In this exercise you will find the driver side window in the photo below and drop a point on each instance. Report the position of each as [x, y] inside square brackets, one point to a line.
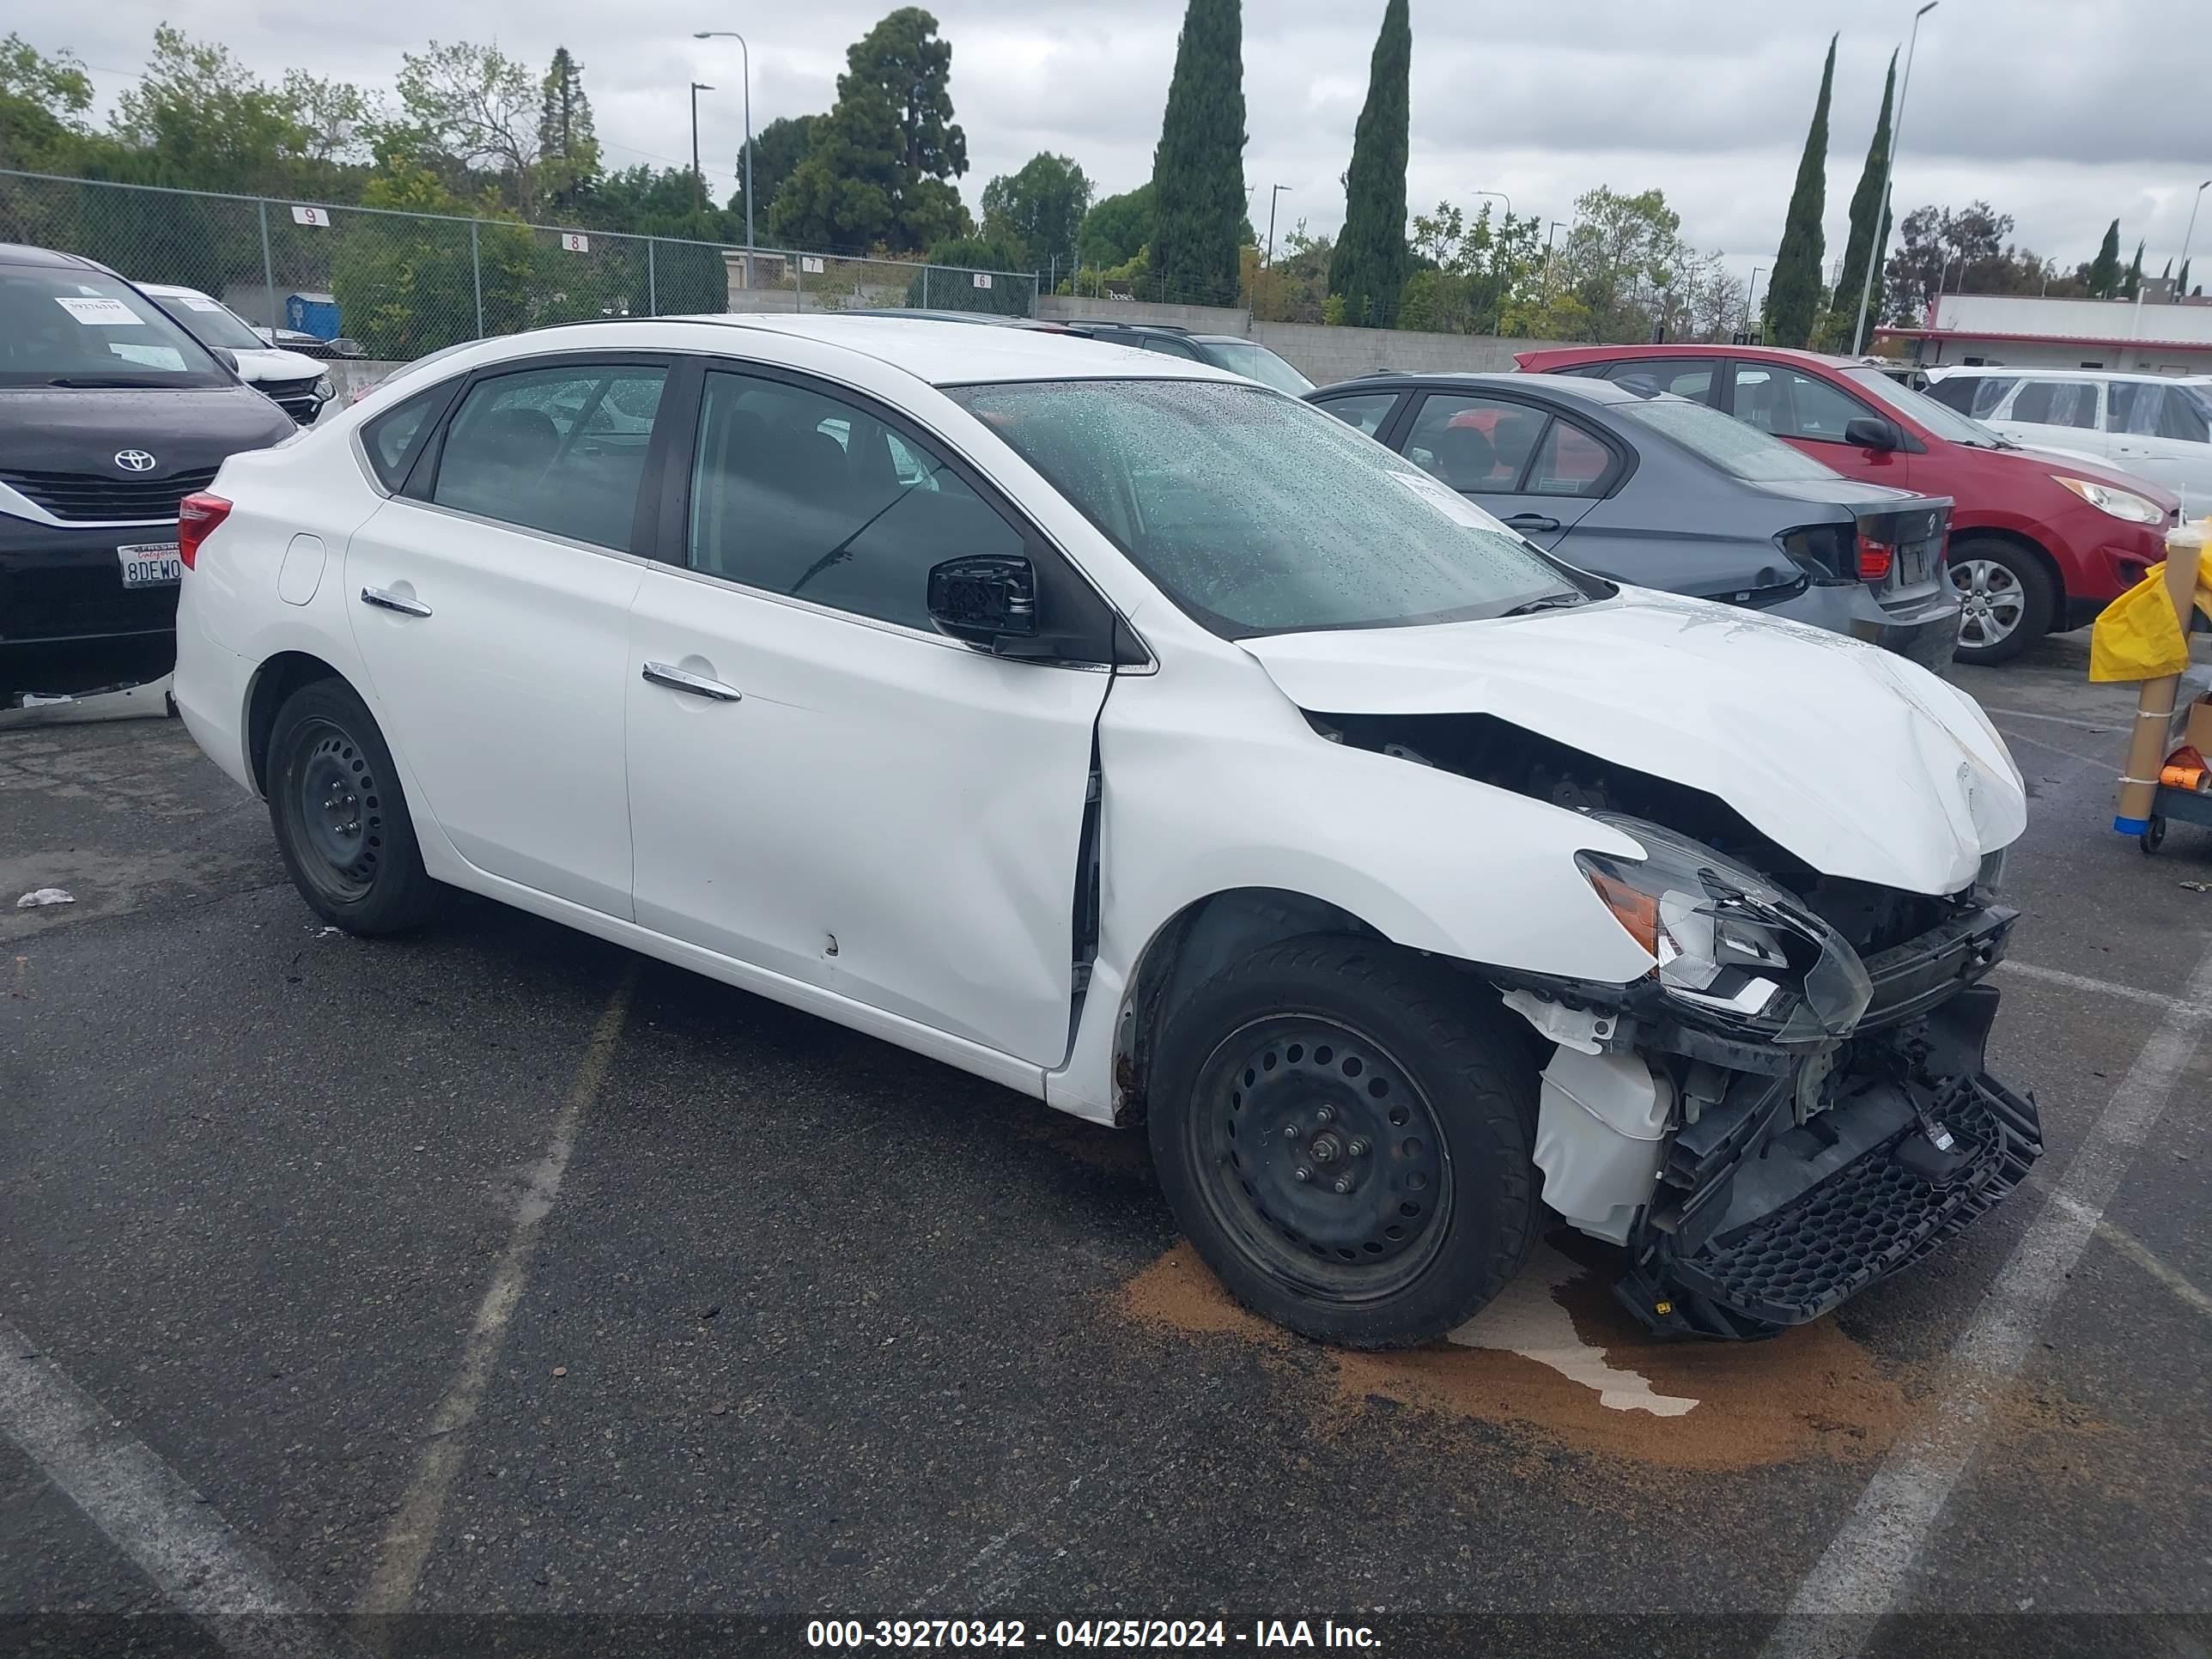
[797, 493]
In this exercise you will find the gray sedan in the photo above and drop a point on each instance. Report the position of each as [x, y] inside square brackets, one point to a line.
[1648, 487]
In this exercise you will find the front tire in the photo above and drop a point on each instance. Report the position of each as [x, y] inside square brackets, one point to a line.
[340, 818]
[1343, 1132]
[2009, 599]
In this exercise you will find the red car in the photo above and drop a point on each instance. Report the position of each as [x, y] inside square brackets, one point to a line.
[2041, 540]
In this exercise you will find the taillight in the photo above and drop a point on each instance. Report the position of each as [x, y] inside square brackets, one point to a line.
[197, 517]
[1875, 559]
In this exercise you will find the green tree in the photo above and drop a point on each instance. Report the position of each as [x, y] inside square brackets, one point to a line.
[2105, 270]
[199, 117]
[2133, 285]
[1793, 292]
[1866, 242]
[1116, 228]
[1612, 271]
[993, 257]
[475, 108]
[567, 149]
[1039, 210]
[1370, 262]
[778, 149]
[1198, 168]
[880, 167]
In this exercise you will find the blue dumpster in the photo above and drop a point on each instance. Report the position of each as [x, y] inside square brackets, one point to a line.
[312, 313]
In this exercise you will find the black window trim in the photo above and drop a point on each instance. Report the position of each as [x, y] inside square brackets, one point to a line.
[1618, 472]
[420, 486]
[451, 387]
[1119, 648]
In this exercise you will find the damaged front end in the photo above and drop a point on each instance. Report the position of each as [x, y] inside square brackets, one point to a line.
[1792, 1104]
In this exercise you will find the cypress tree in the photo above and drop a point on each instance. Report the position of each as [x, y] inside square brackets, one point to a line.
[1198, 170]
[1793, 293]
[2134, 284]
[2104, 269]
[1369, 265]
[1864, 242]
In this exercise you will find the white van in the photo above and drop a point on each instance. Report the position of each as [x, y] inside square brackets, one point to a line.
[2155, 426]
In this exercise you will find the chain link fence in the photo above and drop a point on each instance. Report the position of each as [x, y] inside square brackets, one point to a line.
[389, 285]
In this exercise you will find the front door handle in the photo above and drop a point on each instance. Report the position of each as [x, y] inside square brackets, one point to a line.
[698, 685]
[1536, 521]
[385, 601]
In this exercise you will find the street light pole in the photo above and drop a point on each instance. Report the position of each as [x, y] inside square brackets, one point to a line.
[2180, 292]
[1549, 234]
[1749, 294]
[1888, 168]
[698, 179]
[1274, 191]
[1502, 197]
[746, 53]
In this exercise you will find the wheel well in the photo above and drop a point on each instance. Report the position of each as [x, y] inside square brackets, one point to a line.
[1197, 942]
[274, 681]
[2026, 544]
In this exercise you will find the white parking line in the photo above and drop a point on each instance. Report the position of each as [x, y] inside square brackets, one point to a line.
[2143, 1256]
[406, 1542]
[144, 1508]
[2113, 727]
[1864, 1571]
[2103, 987]
[2105, 763]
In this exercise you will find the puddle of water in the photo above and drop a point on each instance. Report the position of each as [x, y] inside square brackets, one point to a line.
[1526, 1319]
[1545, 1358]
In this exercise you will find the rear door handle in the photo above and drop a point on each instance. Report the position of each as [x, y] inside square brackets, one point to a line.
[385, 601]
[698, 685]
[1532, 521]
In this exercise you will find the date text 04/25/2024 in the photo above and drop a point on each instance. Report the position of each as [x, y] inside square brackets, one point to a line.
[1122, 1633]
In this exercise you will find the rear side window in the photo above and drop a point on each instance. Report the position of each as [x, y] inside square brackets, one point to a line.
[1568, 462]
[1977, 395]
[2056, 403]
[560, 450]
[797, 493]
[1685, 377]
[394, 439]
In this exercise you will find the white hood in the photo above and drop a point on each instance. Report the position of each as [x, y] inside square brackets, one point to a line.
[1863, 764]
[271, 365]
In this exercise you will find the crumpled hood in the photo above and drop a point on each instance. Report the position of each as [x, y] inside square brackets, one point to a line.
[1863, 764]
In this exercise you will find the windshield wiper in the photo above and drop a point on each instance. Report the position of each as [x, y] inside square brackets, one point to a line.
[1549, 602]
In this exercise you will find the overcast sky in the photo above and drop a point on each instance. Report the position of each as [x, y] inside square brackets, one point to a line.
[2052, 110]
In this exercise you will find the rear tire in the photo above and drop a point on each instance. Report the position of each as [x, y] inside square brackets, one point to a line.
[340, 818]
[2010, 600]
[1409, 1110]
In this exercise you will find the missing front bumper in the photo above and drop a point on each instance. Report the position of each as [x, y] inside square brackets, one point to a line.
[1761, 1222]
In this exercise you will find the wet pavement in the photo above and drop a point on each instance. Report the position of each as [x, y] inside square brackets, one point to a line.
[810, 1328]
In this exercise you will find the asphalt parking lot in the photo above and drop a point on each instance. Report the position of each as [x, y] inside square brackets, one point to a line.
[501, 1278]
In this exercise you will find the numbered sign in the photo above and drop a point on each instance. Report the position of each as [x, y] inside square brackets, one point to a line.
[319, 218]
[575, 241]
[811, 263]
[982, 279]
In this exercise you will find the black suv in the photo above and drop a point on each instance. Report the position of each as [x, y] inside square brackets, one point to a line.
[110, 414]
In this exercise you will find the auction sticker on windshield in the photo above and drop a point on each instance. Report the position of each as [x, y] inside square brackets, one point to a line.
[97, 313]
[1446, 501]
[150, 564]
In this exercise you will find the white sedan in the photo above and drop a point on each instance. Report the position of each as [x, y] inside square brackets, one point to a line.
[1146, 741]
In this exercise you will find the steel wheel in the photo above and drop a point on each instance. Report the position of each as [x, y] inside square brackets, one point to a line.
[1995, 603]
[1321, 1158]
[339, 808]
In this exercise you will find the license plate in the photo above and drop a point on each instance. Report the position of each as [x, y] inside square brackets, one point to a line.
[150, 564]
[1912, 565]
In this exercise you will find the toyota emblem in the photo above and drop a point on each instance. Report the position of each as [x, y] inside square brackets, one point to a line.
[135, 460]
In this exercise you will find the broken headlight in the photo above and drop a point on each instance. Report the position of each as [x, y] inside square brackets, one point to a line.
[1733, 949]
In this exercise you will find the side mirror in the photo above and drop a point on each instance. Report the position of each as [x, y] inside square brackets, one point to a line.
[984, 598]
[226, 357]
[1870, 432]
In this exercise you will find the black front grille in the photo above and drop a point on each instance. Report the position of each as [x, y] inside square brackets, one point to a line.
[89, 497]
[296, 398]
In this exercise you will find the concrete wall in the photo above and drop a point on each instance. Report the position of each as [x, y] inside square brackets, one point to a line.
[1199, 320]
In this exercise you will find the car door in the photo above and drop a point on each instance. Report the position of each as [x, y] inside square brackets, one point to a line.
[822, 785]
[2046, 411]
[1516, 459]
[1812, 413]
[490, 600]
[2162, 432]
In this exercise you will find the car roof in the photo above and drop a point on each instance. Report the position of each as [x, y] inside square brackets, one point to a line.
[1607, 354]
[1580, 387]
[172, 290]
[1977, 370]
[23, 254]
[940, 353]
